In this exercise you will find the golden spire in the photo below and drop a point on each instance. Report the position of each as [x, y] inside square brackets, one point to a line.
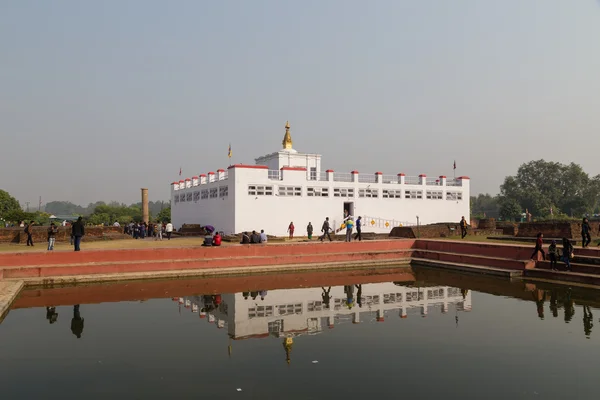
[287, 138]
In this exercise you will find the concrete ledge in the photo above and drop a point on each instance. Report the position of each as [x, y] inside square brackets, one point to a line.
[565, 276]
[475, 269]
[8, 293]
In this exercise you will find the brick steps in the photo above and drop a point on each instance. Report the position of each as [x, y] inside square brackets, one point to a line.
[156, 265]
[470, 268]
[592, 269]
[492, 262]
[577, 277]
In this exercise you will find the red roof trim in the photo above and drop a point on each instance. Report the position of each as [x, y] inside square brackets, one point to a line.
[401, 174]
[220, 170]
[194, 177]
[422, 176]
[187, 179]
[378, 173]
[443, 177]
[211, 173]
[329, 171]
[293, 169]
[248, 166]
[181, 181]
[202, 175]
[463, 177]
[175, 183]
[354, 172]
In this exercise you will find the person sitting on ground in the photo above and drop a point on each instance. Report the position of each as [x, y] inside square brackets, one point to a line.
[263, 236]
[217, 239]
[255, 238]
[208, 240]
[245, 238]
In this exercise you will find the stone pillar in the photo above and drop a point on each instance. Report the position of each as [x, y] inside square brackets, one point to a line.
[145, 213]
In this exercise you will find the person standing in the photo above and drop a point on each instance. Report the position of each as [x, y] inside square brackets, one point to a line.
[158, 231]
[539, 246]
[567, 252]
[29, 231]
[349, 227]
[77, 231]
[169, 230]
[309, 231]
[291, 230]
[76, 322]
[553, 253]
[358, 229]
[52, 231]
[586, 238]
[325, 229]
[463, 227]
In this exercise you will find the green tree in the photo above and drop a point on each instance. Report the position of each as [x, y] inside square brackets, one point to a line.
[540, 186]
[164, 215]
[510, 209]
[485, 204]
[8, 204]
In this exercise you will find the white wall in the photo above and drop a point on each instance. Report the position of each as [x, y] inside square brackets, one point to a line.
[290, 158]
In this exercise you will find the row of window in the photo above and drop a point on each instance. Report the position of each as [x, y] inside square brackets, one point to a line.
[296, 191]
[198, 195]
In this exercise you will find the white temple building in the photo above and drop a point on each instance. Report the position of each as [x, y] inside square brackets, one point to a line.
[294, 312]
[290, 186]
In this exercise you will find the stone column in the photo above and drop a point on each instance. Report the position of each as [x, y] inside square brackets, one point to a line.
[145, 213]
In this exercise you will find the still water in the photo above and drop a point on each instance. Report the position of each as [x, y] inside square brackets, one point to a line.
[389, 334]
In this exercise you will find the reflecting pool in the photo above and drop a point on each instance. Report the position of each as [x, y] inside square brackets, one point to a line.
[349, 334]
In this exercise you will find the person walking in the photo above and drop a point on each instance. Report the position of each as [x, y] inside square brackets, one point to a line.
[29, 232]
[77, 322]
[169, 230]
[463, 227]
[158, 231]
[358, 229]
[567, 252]
[291, 230]
[586, 238]
[309, 231]
[325, 229]
[539, 246]
[77, 231]
[52, 231]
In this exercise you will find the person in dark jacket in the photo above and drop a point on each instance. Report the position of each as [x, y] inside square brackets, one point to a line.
[567, 251]
[77, 322]
[78, 231]
[325, 229]
[358, 229]
[245, 238]
[29, 231]
[586, 238]
[254, 238]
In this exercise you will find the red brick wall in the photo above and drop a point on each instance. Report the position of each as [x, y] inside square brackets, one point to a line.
[550, 229]
[40, 234]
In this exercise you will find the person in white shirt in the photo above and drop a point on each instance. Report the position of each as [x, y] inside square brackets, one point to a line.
[169, 230]
[117, 224]
[263, 236]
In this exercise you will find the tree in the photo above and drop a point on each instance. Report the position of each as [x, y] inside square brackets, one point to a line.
[8, 204]
[541, 186]
[484, 204]
[510, 209]
[164, 215]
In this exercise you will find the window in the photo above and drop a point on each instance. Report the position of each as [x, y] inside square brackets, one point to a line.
[275, 327]
[223, 191]
[290, 191]
[413, 194]
[391, 298]
[176, 198]
[317, 191]
[214, 192]
[189, 196]
[372, 193]
[435, 294]
[288, 309]
[260, 311]
[435, 195]
[453, 195]
[343, 192]
[313, 173]
[196, 196]
[392, 194]
[182, 197]
[315, 305]
[258, 190]
[204, 194]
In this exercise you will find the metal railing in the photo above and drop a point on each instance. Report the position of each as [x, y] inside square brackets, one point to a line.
[322, 176]
[384, 223]
[432, 181]
[453, 182]
[367, 178]
[412, 180]
[342, 177]
[391, 179]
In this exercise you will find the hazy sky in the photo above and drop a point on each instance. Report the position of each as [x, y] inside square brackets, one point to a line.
[98, 99]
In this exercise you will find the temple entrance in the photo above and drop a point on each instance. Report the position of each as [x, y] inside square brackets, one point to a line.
[349, 208]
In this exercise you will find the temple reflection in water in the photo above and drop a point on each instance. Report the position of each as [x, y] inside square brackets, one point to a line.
[292, 312]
